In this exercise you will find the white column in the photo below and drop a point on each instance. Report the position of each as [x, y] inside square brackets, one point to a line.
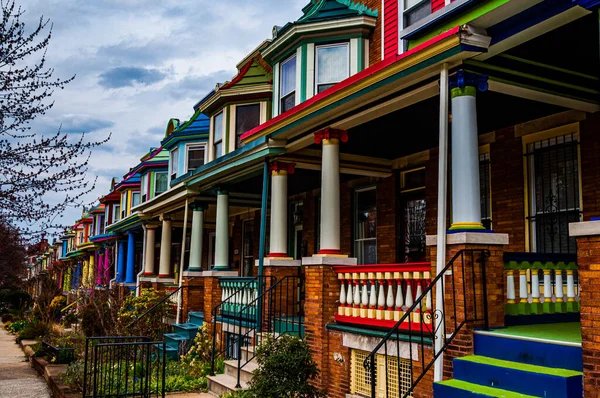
[150, 243]
[279, 209]
[222, 232]
[330, 189]
[165, 249]
[196, 237]
[466, 210]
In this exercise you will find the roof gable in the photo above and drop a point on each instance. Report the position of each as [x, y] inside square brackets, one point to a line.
[325, 10]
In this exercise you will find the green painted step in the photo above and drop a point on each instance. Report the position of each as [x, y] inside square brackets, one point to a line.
[520, 366]
[484, 391]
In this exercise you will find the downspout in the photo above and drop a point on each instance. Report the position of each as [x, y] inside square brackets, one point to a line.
[263, 231]
[181, 261]
[138, 289]
[438, 369]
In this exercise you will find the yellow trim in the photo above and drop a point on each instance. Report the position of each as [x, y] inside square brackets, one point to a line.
[406, 63]
[529, 138]
[467, 224]
[331, 141]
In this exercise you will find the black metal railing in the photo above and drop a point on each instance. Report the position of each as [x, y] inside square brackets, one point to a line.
[464, 297]
[279, 310]
[123, 366]
[229, 314]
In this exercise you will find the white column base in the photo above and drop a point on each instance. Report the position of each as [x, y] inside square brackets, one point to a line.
[279, 262]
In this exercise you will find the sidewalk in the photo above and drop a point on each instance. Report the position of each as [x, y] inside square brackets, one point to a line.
[17, 377]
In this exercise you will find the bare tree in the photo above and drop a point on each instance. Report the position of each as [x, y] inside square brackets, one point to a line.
[34, 166]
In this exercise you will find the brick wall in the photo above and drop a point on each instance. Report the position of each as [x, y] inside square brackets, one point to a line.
[193, 296]
[386, 220]
[375, 39]
[508, 188]
[424, 388]
[588, 260]
[308, 223]
[212, 296]
[339, 372]
[590, 165]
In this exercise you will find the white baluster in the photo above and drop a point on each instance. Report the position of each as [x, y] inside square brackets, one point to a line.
[380, 298]
[389, 310]
[570, 286]
[523, 293]
[342, 297]
[349, 297]
[399, 300]
[535, 286]
[417, 313]
[547, 286]
[372, 297]
[364, 304]
[558, 286]
[409, 296]
[356, 299]
[510, 287]
[428, 307]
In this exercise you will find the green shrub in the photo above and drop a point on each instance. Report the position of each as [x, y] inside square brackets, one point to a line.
[73, 376]
[33, 331]
[16, 326]
[134, 320]
[179, 378]
[285, 369]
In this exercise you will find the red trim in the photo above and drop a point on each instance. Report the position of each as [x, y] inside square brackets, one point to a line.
[279, 166]
[390, 29]
[163, 275]
[351, 80]
[148, 273]
[402, 267]
[381, 323]
[278, 255]
[239, 76]
[329, 251]
[328, 134]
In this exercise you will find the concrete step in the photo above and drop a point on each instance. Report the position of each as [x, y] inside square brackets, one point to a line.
[248, 369]
[221, 384]
[247, 353]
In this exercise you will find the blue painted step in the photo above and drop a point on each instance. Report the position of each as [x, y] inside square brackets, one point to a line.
[562, 356]
[518, 377]
[197, 318]
[188, 330]
[171, 351]
[175, 339]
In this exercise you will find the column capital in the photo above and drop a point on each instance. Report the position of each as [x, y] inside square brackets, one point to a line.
[151, 226]
[330, 135]
[198, 206]
[164, 218]
[467, 83]
[281, 168]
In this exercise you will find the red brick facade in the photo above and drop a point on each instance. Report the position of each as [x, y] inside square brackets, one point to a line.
[590, 165]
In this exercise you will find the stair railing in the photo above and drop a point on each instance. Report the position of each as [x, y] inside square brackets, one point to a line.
[462, 294]
[236, 294]
[282, 313]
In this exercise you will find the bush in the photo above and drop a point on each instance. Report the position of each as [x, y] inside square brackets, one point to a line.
[285, 369]
[73, 376]
[132, 320]
[16, 326]
[33, 331]
[179, 378]
[198, 357]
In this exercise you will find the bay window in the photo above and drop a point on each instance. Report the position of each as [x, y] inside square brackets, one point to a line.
[135, 199]
[218, 135]
[174, 163]
[144, 187]
[332, 65]
[247, 117]
[195, 157]
[288, 84]
[160, 183]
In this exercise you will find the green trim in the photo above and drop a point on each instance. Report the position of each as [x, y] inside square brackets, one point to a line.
[523, 367]
[151, 176]
[551, 67]
[360, 51]
[530, 76]
[462, 19]
[484, 391]
[227, 121]
[373, 333]
[316, 40]
[526, 265]
[467, 91]
[303, 71]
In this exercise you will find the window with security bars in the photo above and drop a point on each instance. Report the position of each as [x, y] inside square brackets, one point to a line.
[554, 186]
[485, 190]
[393, 380]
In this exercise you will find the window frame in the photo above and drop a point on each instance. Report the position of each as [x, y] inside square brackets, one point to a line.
[222, 139]
[282, 96]
[194, 146]
[144, 189]
[173, 166]
[329, 45]
[260, 118]
[355, 239]
[132, 201]
[166, 173]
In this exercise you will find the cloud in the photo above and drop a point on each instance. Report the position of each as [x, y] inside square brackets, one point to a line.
[127, 76]
[74, 123]
[197, 86]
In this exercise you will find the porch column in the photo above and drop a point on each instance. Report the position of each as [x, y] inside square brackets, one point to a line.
[164, 270]
[222, 232]
[122, 250]
[330, 189]
[196, 237]
[150, 244]
[89, 282]
[279, 208]
[466, 210]
[130, 273]
[100, 268]
[107, 253]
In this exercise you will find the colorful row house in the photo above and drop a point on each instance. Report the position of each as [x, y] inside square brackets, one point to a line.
[411, 185]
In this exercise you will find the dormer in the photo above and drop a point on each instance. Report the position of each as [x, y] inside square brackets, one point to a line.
[112, 205]
[186, 147]
[129, 191]
[328, 44]
[153, 170]
[237, 106]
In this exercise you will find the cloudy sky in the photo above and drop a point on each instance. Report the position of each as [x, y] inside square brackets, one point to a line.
[139, 63]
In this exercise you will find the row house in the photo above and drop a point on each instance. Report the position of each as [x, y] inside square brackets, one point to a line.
[410, 185]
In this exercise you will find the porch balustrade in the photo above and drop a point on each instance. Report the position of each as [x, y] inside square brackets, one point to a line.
[379, 295]
[237, 293]
[547, 284]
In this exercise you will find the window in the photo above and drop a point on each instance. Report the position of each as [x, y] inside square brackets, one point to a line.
[393, 375]
[218, 135]
[246, 118]
[117, 212]
[101, 223]
[415, 10]
[553, 182]
[124, 204]
[195, 157]
[174, 163]
[144, 187]
[413, 210]
[288, 84]
[485, 190]
[135, 199]
[160, 183]
[333, 65]
[365, 219]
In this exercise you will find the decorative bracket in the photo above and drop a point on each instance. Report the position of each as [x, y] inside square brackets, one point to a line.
[329, 133]
[277, 166]
[462, 79]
